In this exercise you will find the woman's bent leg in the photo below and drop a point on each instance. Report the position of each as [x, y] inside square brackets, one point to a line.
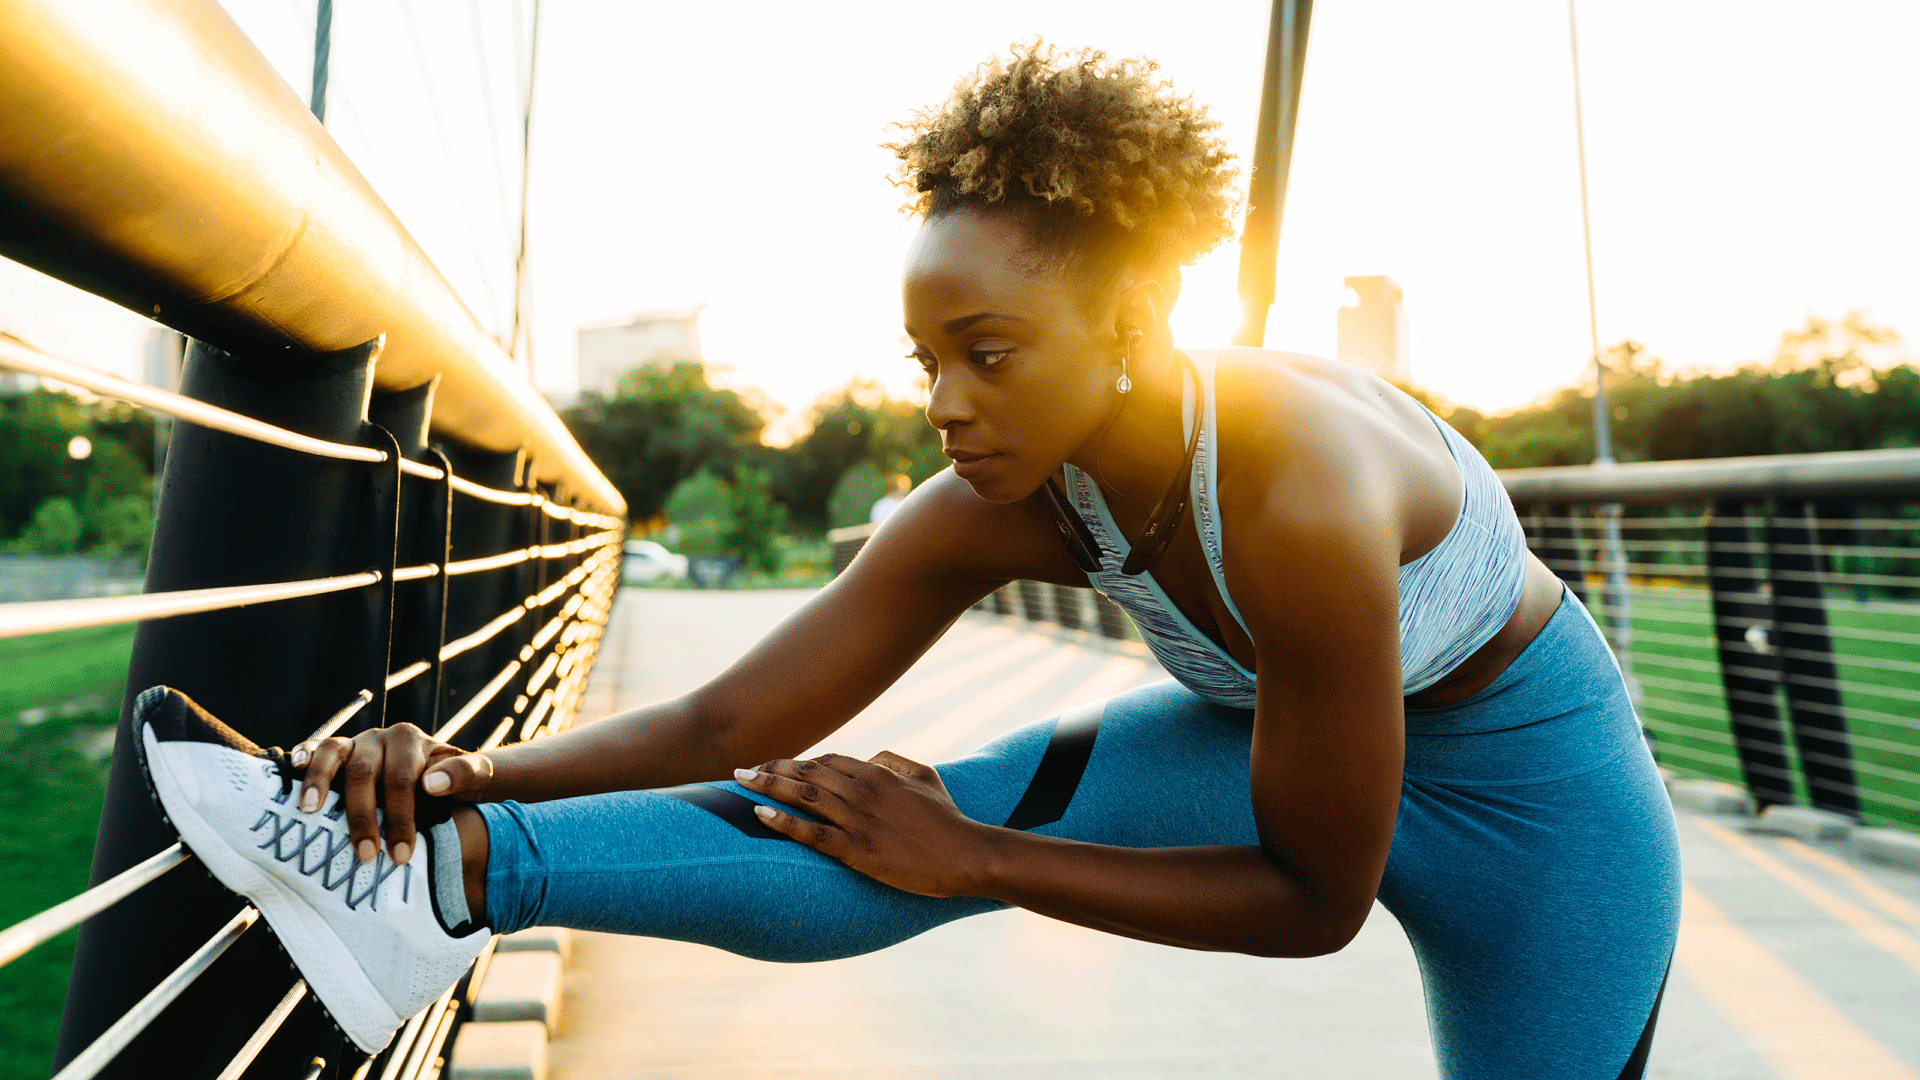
[1536, 869]
[1167, 769]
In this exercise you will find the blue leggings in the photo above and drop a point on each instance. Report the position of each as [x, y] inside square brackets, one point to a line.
[1534, 867]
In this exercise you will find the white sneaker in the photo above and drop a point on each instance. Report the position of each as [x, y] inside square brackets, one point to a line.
[367, 936]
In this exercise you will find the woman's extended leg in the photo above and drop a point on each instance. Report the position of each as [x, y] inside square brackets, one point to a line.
[657, 864]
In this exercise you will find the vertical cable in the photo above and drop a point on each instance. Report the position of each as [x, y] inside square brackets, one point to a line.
[322, 52]
[1618, 604]
[526, 171]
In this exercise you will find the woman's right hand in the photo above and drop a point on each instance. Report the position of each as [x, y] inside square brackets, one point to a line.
[382, 768]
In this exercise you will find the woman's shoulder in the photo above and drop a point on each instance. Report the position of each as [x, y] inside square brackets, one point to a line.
[1317, 432]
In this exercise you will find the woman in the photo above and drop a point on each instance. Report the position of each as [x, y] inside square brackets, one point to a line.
[1377, 691]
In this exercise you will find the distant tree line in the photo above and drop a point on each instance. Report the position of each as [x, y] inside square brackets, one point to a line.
[1830, 385]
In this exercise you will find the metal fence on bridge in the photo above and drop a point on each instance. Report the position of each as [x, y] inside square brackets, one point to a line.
[1767, 610]
[366, 515]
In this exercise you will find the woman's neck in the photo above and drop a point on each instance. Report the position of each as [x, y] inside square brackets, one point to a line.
[1141, 449]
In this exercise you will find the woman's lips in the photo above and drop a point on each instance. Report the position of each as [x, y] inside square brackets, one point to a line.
[969, 466]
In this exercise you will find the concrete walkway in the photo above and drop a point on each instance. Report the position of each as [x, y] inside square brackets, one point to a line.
[1795, 963]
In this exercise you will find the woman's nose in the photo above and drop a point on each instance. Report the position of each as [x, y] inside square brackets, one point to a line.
[947, 402]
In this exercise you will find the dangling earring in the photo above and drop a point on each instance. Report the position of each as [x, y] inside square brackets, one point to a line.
[1124, 384]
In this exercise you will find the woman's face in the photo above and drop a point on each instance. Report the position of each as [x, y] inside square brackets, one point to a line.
[1021, 373]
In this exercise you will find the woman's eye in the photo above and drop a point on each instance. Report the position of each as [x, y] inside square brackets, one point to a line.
[987, 358]
[926, 362]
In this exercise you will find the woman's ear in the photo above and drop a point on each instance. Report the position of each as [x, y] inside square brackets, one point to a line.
[1141, 306]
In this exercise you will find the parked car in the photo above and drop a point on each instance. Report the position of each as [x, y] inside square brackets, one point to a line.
[646, 560]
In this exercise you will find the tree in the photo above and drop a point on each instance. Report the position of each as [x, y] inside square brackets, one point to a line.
[855, 494]
[857, 424]
[665, 424]
[35, 465]
[757, 520]
[54, 530]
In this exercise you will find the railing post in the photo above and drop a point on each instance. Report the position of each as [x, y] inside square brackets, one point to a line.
[419, 615]
[481, 528]
[233, 511]
[1746, 673]
[1066, 606]
[1033, 601]
[1560, 548]
[1805, 650]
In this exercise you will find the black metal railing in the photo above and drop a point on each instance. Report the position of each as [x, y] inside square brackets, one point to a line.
[366, 514]
[1035, 601]
[559, 617]
[1771, 618]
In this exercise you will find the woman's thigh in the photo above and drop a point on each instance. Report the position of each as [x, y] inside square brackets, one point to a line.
[1535, 868]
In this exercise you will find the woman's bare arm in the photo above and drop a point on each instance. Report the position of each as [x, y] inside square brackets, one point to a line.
[939, 553]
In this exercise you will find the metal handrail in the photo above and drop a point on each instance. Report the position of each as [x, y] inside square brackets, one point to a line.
[1836, 474]
[242, 224]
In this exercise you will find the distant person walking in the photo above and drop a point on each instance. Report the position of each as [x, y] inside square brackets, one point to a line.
[1377, 691]
[898, 487]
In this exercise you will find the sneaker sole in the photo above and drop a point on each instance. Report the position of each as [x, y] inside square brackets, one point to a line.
[343, 990]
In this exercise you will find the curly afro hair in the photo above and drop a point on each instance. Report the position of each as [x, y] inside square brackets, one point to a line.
[1105, 162]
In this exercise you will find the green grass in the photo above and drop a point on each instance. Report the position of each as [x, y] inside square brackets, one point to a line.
[52, 778]
[60, 667]
[1685, 705]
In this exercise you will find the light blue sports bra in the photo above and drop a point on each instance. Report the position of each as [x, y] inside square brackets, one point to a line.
[1453, 599]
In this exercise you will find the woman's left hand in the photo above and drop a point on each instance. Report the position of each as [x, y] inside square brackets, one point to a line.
[889, 818]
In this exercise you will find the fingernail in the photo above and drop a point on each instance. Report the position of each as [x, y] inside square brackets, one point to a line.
[436, 782]
[301, 757]
[366, 850]
[745, 776]
[401, 853]
[309, 800]
[766, 812]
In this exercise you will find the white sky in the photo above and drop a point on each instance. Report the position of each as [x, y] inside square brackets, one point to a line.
[1750, 163]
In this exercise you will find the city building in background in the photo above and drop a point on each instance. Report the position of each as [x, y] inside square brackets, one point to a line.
[1373, 328]
[609, 350]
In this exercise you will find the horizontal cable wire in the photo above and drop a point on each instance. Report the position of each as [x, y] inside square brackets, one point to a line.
[88, 1063]
[486, 633]
[407, 674]
[21, 358]
[264, 1032]
[514, 614]
[360, 701]
[416, 573]
[41, 616]
[477, 702]
[489, 562]
[56, 920]
[492, 495]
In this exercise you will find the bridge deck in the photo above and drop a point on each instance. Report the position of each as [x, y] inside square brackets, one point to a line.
[1796, 962]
